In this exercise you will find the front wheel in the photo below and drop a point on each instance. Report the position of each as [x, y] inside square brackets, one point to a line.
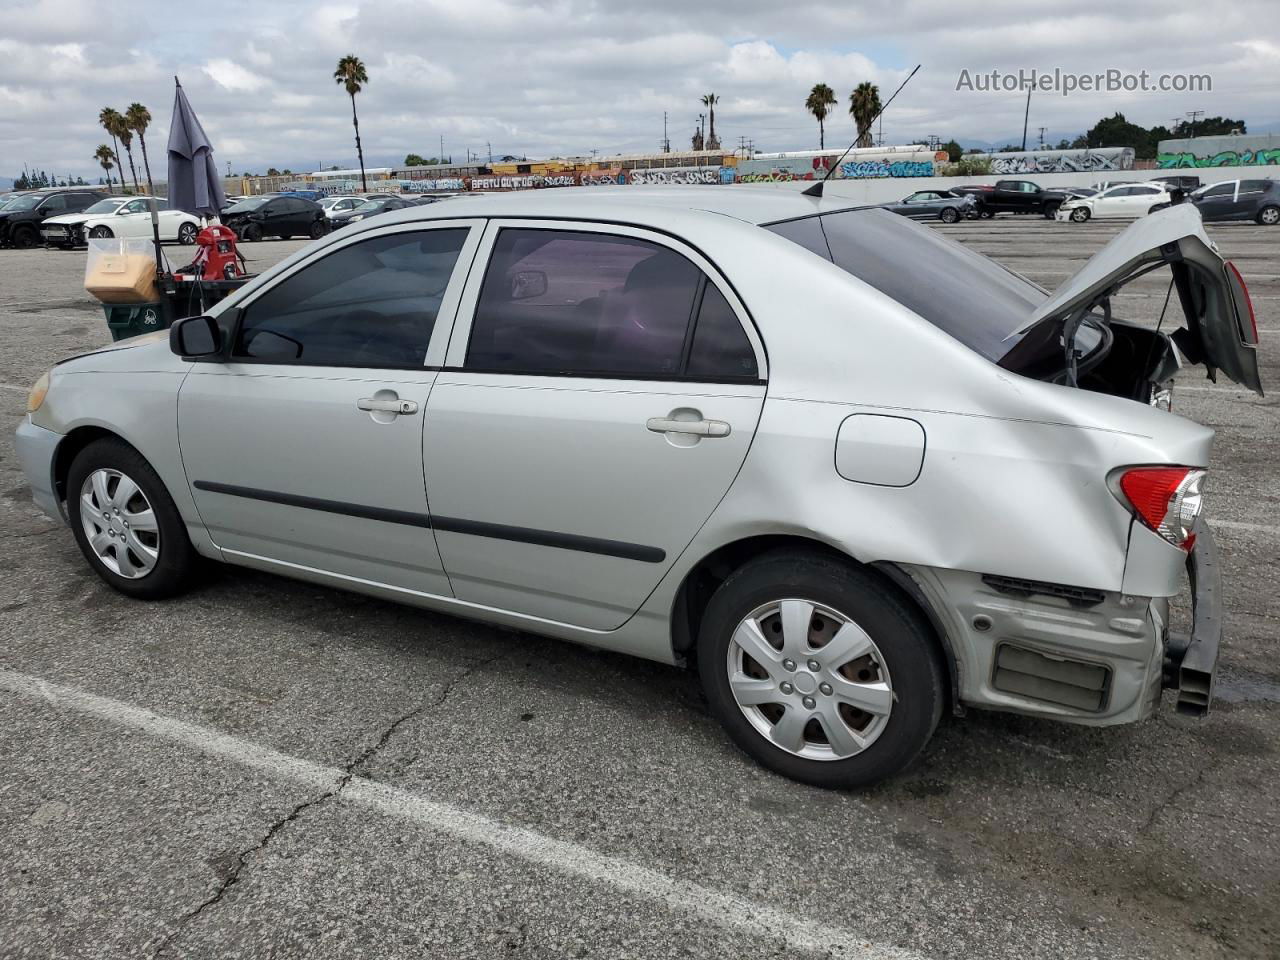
[819, 671]
[1080, 214]
[987, 214]
[101, 233]
[125, 522]
[253, 233]
[187, 234]
[1269, 216]
[949, 215]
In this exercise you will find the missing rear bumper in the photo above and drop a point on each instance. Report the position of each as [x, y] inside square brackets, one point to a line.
[1191, 662]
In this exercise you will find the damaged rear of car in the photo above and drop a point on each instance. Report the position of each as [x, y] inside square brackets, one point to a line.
[1084, 635]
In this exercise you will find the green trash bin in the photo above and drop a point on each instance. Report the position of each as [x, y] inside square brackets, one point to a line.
[126, 320]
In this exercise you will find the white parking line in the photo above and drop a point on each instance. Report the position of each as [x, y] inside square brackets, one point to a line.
[457, 823]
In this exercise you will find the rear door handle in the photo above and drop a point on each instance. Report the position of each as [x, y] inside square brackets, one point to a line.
[386, 406]
[698, 428]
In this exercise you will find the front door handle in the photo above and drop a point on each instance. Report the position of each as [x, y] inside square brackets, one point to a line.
[697, 428]
[386, 406]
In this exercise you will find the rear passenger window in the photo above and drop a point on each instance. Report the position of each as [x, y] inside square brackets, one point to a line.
[720, 345]
[558, 301]
[371, 304]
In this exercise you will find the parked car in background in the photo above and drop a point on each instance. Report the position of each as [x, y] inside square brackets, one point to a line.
[935, 205]
[276, 216]
[1186, 182]
[315, 195]
[1015, 196]
[333, 206]
[133, 219]
[67, 230]
[370, 208]
[21, 218]
[231, 201]
[1122, 200]
[858, 472]
[1256, 200]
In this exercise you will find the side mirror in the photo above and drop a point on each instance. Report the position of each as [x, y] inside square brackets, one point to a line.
[195, 337]
[527, 284]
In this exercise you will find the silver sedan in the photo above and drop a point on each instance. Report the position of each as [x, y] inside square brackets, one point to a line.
[855, 472]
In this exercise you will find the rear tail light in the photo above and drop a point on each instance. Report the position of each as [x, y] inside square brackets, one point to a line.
[1166, 499]
[1250, 335]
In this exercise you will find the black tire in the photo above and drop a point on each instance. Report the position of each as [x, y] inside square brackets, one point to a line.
[25, 237]
[187, 234]
[1080, 215]
[1051, 210]
[902, 638]
[949, 215]
[101, 233]
[986, 214]
[318, 230]
[253, 233]
[1269, 216]
[176, 563]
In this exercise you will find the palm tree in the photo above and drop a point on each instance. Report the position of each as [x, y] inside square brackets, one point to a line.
[351, 74]
[138, 118]
[864, 104]
[126, 137]
[103, 156]
[109, 118]
[709, 101]
[820, 101]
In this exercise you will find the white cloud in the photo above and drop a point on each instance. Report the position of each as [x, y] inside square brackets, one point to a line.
[566, 76]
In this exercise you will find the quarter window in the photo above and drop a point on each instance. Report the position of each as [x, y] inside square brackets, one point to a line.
[371, 304]
[557, 301]
[720, 345]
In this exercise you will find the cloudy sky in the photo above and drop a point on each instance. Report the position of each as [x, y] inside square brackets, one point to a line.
[570, 76]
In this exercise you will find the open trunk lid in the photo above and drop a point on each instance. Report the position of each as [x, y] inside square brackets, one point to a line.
[1221, 331]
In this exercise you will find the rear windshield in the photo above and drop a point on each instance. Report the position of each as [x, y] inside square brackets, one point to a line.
[961, 292]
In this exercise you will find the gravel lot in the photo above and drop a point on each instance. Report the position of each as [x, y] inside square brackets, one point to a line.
[267, 768]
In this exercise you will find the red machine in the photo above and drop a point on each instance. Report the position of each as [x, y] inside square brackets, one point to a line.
[217, 258]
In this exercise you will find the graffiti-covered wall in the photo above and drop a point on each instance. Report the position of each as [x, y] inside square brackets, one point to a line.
[1243, 151]
[1061, 161]
[859, 165]
[668, 175]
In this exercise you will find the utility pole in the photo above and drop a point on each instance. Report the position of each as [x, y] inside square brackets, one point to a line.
[1042, 130]
[666, 142]
[489, 146]
[1026, 116]
[702, 127]
[1194, 115]
[440, 155]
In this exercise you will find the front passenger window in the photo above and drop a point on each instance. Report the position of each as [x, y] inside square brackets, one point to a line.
[370, 304]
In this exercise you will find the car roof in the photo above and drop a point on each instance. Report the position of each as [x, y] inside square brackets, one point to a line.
[636, 204]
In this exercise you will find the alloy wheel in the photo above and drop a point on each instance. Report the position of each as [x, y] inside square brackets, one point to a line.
[1270, 216]
[809, 679]
[119, 524]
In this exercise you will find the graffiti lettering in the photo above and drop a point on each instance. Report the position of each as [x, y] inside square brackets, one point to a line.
[867, 169]
[1225, 158]
[773, 176]
[671, 175]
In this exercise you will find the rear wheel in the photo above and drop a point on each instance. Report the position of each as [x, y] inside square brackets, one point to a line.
[101, 233]
[125, 522]
[818, 671]
[1269, 216]
[949, 215]
[187, 234]
[1080, 214]
[1051, 210]
[317, 230]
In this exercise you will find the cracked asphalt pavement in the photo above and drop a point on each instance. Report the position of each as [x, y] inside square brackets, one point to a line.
[266, 768]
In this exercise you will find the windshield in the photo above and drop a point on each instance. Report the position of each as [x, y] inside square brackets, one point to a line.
[243, 206]
[24, 203]
[369, 206]
[963, 293]
[105, 206]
